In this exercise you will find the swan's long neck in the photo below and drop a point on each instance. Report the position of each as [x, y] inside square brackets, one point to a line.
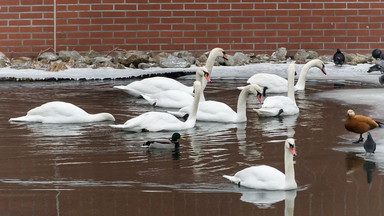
[242, 105]
[210, 61]
[289, 169]
[200, 78]
[291, 87]
[300, 85]
[192, 115]
[209, 65]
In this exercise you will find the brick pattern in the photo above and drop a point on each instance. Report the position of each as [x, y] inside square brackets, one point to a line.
[258, 26]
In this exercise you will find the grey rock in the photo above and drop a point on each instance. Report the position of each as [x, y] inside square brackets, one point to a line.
[301, 56]
[354, 59]
[88, 60]
[186, 55]
[280, 54]
[313, 54]
[119, 66]
[3, 63]
[240, 59]
[48, 56]
[67, 55]
[261, 58]
[144, 66]
[134, 59]
[326, 58]
[21, 63]
[173, 62]
[92, 54]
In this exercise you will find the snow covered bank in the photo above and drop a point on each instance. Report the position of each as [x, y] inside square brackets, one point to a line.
[345, 73]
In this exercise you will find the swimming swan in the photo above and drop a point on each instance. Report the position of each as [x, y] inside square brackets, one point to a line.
[277, 84]
[157, 84]
[177, 98]
[264, 177]
[61, 112]
[281, 105]
[161, 121]
[215, 111]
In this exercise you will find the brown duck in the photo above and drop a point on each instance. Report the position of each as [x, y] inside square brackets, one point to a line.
[360, 124]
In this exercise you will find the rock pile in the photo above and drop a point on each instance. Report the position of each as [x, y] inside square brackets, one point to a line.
[120, 59]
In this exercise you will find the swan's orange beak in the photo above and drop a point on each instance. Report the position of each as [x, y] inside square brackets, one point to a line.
[323, 69]
[206, 75]
[259, 97]
[224, 56]
[292, 149]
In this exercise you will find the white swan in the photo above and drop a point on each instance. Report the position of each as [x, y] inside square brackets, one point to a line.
[157, 84]
[215, 111]
[277, 84]
[61, 112]
[177, 98]
[281, 105]
[264, 177]
[160, 121]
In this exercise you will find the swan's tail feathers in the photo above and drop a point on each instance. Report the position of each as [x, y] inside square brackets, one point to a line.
[232, 179]
[379, 123]
[267, 112]
[150, 100]
[241, 88]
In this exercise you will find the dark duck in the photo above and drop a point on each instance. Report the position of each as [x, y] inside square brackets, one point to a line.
[338, 58]
[172, 143]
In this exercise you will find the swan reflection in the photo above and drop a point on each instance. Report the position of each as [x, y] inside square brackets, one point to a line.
[265, 199]
[277, 126]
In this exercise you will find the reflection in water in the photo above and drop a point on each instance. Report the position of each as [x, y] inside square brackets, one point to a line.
[369, 168]
[278, 126]
[265, 199]
[355, 163]
[53, 130]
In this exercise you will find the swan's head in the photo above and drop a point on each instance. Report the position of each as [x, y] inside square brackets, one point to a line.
[350, 113]
[177, 136]
[290, 144]
[256, 90]
[319, 64]
[219, 52]
[203, 72]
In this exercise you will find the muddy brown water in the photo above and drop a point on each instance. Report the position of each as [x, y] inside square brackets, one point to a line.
[92, 169]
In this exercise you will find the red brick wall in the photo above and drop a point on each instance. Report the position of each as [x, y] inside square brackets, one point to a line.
[259, 26]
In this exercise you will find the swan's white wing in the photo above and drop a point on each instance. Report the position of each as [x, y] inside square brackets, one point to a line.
[169, 98]
[154, 85]
[275, 83]
[57, 112]
[152, 121]
[212, 111]
[261, 177]
[272, 106]
[216, 112]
